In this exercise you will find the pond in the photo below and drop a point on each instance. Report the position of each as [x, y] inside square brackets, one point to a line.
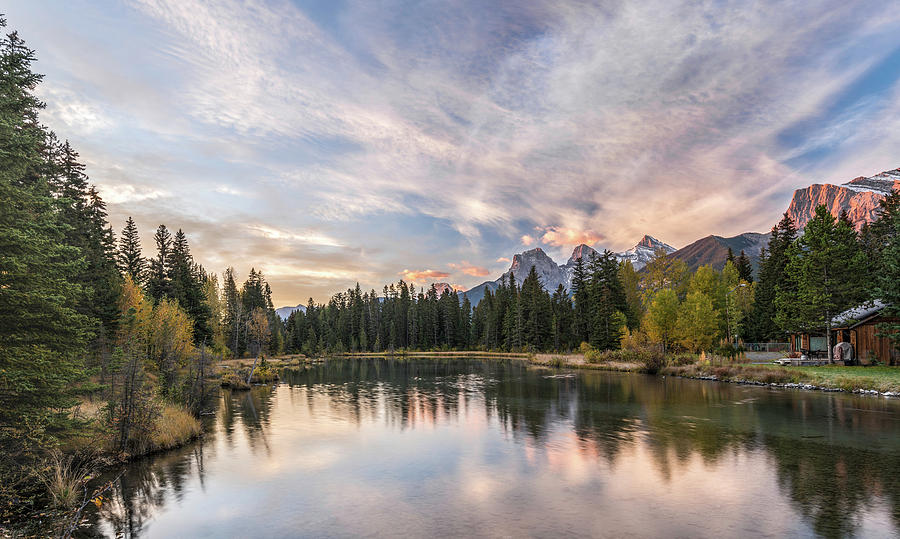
[471, 448]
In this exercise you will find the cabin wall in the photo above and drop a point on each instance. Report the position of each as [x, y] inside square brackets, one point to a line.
[869, 345]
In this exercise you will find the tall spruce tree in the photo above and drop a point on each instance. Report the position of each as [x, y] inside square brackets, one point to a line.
[581, 298]
[825, 272]
[131, 262]
[185, 282]
[608, 302]
[887, 281]
[536, 313]
[42, 335]
[744, 267]
[159, 284]
[761, 325]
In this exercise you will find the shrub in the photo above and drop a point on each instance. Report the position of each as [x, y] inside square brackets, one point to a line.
[234, 381]
[683, 358]
[591, 354]
[557, 361]
[729, 350]
[264, 373]
[174, 427]
[652, 360]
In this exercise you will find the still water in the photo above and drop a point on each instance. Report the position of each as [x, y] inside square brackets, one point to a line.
[468, 448]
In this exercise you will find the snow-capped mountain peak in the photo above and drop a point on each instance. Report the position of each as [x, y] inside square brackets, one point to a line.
[644, 251]
[552, 274]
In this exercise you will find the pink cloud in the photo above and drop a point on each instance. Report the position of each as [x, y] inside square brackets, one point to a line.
[503, 259]
[527, 240]
[422, 276]
[470, 269]
[559, 236]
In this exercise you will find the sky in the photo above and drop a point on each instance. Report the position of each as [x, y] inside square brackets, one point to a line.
[330, 142]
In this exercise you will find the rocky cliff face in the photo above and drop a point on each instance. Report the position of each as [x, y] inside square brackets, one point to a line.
[859, 197]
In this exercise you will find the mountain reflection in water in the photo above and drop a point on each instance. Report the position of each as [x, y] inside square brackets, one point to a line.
[461, 447]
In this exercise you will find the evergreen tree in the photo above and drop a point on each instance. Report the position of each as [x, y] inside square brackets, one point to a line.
[42, 335]
[465, 323]
[631, 282]
[825, 269]
[607, 298]
[158, 283]
[563, 320]
[131, 262]
[233, 313]
[744, 267]
[580, 297]
[887, 282]
[772, 276]
[536, 314]
[185, 282]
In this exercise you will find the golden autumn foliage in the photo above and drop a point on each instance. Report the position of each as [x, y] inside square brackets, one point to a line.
[136, 315]
[171, 335]
[164, 331]
[258, 327]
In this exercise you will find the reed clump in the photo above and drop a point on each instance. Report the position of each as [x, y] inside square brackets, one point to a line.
[174, 428]
[64, 476]
[234, 380]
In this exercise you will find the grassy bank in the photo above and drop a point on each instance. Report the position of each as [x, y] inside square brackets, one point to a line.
[174, 428]
[884, 380]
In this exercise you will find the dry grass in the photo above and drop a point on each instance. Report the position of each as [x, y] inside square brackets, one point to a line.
[64, 476]
[234, 380]
[174, 427]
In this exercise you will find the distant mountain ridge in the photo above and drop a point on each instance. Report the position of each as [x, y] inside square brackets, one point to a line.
[713, 250]
[552, 274]
[859, 197]
[285, 312]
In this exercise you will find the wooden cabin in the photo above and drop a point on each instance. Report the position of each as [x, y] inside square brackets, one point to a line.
[859, 327]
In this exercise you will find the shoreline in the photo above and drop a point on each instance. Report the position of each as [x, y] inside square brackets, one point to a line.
[880, 381]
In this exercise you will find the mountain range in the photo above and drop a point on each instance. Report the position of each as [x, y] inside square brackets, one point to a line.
[859, 197]
[552, 274]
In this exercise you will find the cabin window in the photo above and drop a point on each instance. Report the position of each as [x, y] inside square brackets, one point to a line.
[817, 344]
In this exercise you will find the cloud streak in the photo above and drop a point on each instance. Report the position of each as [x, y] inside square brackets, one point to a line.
[470, 269]
[387, 135]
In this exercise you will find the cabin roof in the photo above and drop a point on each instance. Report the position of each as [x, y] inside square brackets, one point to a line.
[852, 318]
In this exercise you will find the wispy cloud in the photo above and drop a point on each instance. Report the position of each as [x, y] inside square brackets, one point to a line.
[126, 194]
[444, 136]
[470, 269]
[310, 237]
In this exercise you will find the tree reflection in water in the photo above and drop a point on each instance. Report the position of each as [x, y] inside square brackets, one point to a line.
[835, 456]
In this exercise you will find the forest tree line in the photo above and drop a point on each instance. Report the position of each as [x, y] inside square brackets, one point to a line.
[802, 282]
